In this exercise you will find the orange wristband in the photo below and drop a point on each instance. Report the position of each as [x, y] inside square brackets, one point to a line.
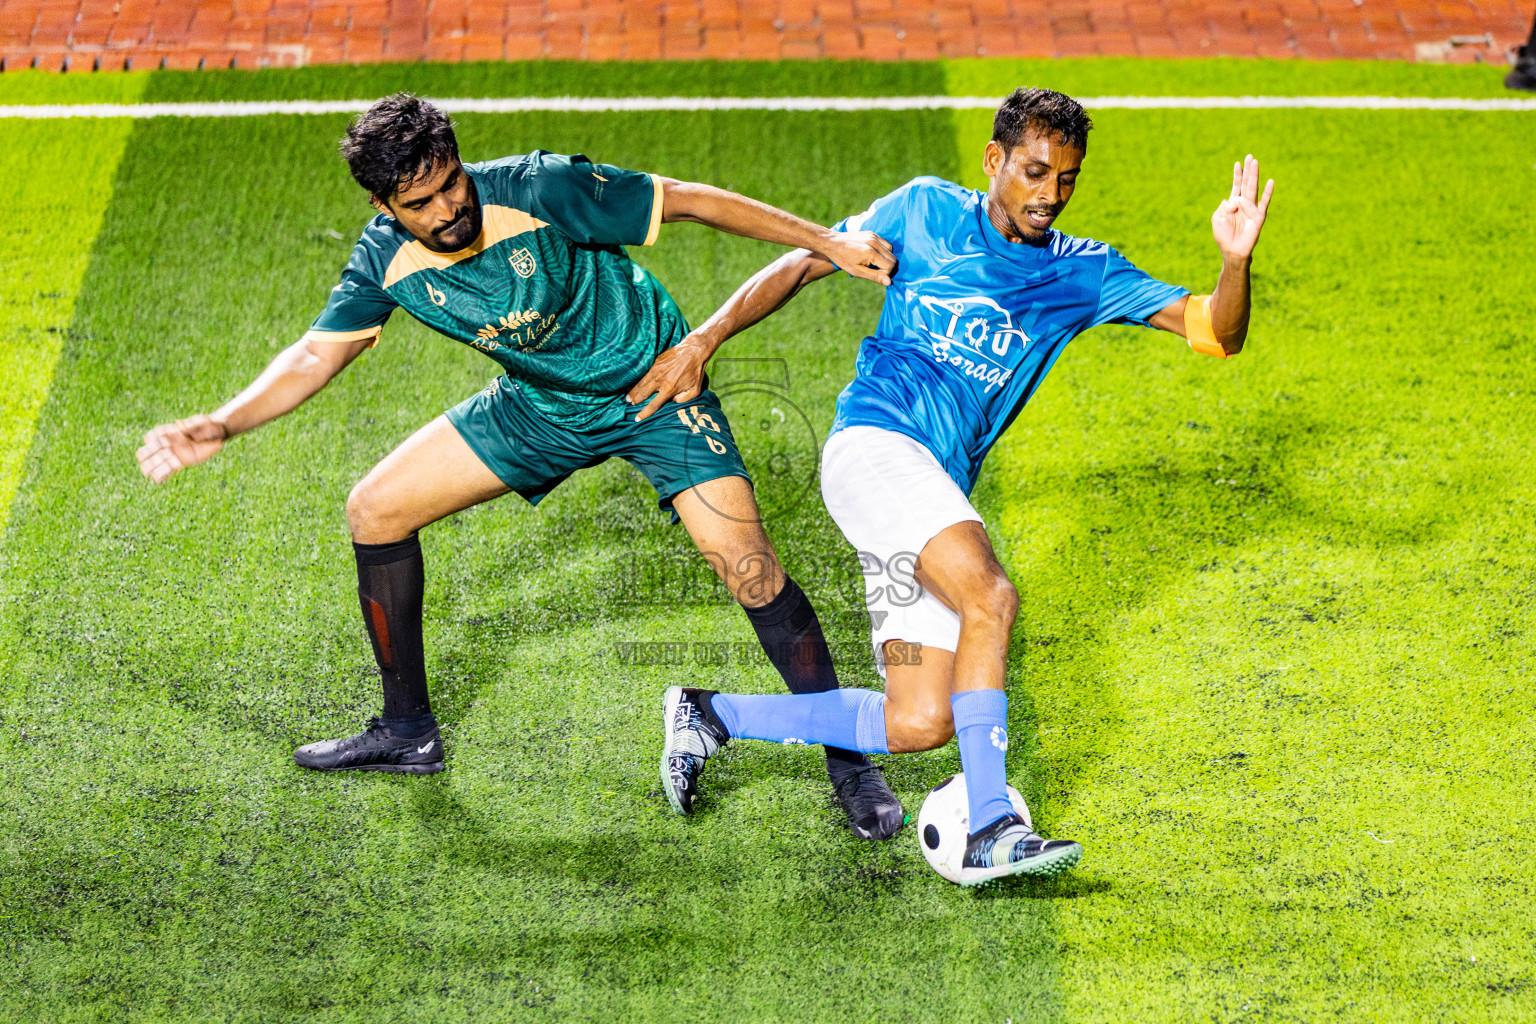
[1198, 329]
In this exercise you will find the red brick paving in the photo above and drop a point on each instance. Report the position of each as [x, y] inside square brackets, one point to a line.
[83, 35]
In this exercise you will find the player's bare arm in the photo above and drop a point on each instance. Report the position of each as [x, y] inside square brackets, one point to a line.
[297, 373]
[860, 253]
[678, 373]
[1223, 314]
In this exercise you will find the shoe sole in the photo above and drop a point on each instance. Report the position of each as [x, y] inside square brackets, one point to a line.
[393, 769]
[1044, 866]
[669, 713]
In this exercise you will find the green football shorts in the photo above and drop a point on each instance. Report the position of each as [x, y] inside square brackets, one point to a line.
[676, 447]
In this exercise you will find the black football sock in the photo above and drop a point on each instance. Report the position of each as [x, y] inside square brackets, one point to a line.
[389, 586]
[791, 636]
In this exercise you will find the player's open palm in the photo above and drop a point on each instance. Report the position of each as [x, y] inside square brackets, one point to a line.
[1240, 217]
[173, 446]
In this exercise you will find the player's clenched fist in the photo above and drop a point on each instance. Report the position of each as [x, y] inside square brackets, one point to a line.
[861, 253]
[173, 446]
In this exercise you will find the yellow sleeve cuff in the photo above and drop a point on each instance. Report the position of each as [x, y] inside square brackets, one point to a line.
[655, 228]
[345, 336]
[1198, 329]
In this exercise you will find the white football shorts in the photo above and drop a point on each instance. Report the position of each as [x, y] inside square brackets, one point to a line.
[890, 496]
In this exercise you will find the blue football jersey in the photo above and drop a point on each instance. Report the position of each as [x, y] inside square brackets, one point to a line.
[972, 323]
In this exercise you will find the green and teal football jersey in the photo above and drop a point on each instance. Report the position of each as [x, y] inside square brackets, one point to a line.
[546, 290]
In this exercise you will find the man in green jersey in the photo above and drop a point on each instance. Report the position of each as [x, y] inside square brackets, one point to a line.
[523, 259]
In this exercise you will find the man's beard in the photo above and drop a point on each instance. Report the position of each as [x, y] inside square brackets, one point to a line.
[455, 236]
[463, 231]
[1031, 234]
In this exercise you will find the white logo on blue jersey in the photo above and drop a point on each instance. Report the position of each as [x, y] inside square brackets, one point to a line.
[971, 334]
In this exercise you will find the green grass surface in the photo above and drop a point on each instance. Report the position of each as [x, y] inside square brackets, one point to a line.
[1113, 76]
[1273, 667]
[61, 177]
[31, 86]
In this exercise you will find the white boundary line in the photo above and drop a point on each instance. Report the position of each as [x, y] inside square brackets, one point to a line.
[574, 104]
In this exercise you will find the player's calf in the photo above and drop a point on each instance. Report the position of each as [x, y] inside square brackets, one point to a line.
[792, 637]
[913, 726]
[723, 519]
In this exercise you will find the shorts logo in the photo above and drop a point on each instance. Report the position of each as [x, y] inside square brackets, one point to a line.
[523, 262]
[703, 419]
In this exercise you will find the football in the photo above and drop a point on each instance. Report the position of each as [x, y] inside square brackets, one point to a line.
[943, 824]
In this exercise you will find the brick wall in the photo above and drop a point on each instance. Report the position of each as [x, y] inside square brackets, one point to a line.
[83, 35]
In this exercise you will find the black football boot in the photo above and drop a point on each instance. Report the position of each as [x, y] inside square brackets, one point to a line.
[873, 810]
[1008, 846]
[378, 748]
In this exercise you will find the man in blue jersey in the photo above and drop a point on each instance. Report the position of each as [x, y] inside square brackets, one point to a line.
[984, 298]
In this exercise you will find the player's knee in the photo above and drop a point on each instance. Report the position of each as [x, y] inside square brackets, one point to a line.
[994, 599]
[357, 507]
[923, 727]
[753, 575]
[366, 518]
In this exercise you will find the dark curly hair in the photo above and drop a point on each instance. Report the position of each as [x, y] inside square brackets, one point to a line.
[1043, 111]
[396, 142]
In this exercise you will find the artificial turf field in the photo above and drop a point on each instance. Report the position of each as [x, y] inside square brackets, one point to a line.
[1273, 666]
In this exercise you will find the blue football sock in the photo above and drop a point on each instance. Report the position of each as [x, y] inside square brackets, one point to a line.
[981, 727]
[852, 719]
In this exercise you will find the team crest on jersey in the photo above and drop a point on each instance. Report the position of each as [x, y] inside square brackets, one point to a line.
[523, 262]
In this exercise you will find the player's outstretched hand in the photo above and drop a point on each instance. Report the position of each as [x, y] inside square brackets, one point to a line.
[1240, 217]
[173, 446]
[861, 253]
[678, 374]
